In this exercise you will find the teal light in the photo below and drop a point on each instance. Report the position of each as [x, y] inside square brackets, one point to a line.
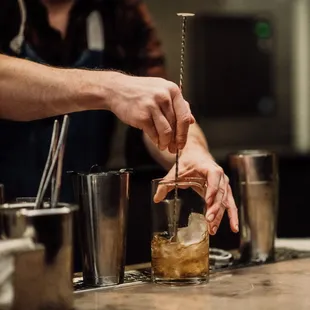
[262, 30]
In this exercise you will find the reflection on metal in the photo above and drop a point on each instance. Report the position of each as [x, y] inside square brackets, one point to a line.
[1, 193]
[255, 187]
[301, 56]
[48, 270]
[103, 199]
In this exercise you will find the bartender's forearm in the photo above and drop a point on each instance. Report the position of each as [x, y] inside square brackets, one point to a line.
[196, 139]
[31, 91]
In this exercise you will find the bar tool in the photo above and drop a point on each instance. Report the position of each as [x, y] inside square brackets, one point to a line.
[103, 200]
[255, 188]
[184, 17]
[56, 153]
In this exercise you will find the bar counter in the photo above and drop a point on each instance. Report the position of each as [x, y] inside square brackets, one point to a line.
[282, 285]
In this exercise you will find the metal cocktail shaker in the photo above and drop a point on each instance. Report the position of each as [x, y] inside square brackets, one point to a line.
[255, 188]
[51, 228]
[103, 202]
[1, 193]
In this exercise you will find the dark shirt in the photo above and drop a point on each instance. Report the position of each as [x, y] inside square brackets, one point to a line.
[131, 45]
[131, 42]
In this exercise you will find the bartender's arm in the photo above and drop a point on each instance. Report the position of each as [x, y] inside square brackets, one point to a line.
[30, 91]
[195, 159]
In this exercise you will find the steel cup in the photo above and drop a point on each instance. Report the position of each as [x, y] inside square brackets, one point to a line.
[53, 229]
[103, 201]
[255, 188]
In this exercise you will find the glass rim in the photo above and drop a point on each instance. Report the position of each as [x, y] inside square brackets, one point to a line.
[252, 153]
[29, 206]
[182, 179]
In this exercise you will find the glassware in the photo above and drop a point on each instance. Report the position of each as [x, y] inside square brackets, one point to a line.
[52, 228]
[180, 243]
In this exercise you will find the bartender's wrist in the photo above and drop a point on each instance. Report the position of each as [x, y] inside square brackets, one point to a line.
[194, 142]
[194, 146]
[95, 89]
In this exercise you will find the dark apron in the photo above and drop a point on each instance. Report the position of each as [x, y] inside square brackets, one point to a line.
[24, 145]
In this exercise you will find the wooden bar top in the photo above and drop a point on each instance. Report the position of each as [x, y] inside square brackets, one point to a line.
[278, 286]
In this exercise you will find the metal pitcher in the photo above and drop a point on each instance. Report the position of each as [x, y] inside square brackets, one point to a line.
[103, 201]
[1, 193]
[51, 228]
[255, 188]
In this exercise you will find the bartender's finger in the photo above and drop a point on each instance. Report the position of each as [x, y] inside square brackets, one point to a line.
[161, 193]
[163, 129]
[193, 120]
[168, 184]
[167, 110]
[214, 175]
[199, 189]
[224, 185]
[215, 211]
[232, 211]
[214, 226]
[173, 145]
[152, 133]
[163, 190]
[183, 118]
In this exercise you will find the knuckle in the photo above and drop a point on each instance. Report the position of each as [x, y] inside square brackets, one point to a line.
[187, 163]
[174, 88]
[172, 121]
[218, 206]
[222, 190]
[152, 106]
[167, 132]
[162, 98]
[225, 203]
[188, 107]
[147, 105]
[182, 138]
[218, 170]
[145, 119]
[233, 209]
[230, 191]
[212, 190]
[185, 119]
[217, 220]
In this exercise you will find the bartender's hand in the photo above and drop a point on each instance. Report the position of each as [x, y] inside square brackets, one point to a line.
[154, 105]
[198, 162]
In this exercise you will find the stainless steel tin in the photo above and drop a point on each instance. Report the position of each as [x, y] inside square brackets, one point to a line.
[103, 200]
[53, 229]
[2, 194]
[255, 188]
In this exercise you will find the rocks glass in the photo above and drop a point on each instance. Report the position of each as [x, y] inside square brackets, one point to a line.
[180, 242]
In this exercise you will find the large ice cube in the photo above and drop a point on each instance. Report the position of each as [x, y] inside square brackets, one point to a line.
[195, 231]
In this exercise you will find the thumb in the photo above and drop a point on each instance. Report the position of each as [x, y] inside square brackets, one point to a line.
[161, 193]
[163, 189]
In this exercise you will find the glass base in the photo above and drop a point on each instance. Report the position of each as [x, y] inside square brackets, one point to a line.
[181, 282]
